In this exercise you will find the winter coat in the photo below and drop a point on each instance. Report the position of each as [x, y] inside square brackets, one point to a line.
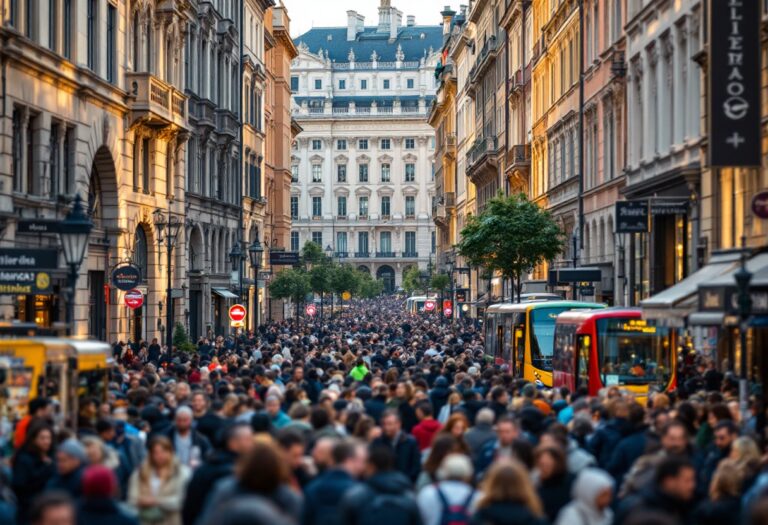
[198, 440]
[407, 456]
[653, 500]
[29, 478]
[71, 483]
[628, 450]
[209, 425]
[718, 512]
[219, 464]
[506, 513]
[604, 441]
[425, 432]
[384, 499]
[578, 459]
[555, 493]
[455, 493]
[170, 496]
[375, 407]
[323, 496]
[228, 490]
[582, 509]
[477, 437]
[102, 510]
[439, 395]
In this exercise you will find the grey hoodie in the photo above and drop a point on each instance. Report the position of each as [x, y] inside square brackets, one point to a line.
[582, 510]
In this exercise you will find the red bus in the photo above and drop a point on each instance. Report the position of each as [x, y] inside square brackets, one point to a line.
[612, 347]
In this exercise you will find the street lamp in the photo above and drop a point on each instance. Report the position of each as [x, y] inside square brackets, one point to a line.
[167, 230]
[329, 252]
[743, 277]
[255, 251]
[73, 235]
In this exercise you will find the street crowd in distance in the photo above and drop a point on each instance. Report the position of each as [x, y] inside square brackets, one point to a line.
[376, 416]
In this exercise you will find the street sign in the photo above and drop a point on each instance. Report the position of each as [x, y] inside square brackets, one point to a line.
[667, 208]
[310, 310]
[237, 313]
[126, 277]
[429, 306]
[734, 92]
[577, 275]
[25, 282]
[346, 296]
[587, 290]
[631, 216]
[38, 226]
[134, 299]
[448, 311]
[28, 258]
[283, 258]
[760, 205]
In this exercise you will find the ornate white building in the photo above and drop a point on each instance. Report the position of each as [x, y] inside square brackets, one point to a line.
[363, 166]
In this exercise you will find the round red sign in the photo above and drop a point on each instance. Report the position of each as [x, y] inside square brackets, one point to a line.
[429, 306]
[310, 310]
[760, 205]
[447, 312]
[237, 312]
[134, 299]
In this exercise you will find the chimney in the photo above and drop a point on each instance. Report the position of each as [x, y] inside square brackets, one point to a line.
[411, 20]
[447, 14]
[385, 16]
[396, 20]
[355, 24]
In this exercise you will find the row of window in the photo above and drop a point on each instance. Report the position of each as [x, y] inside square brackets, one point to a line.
[213, 173]
[386, 83]
[55, 30]
[362, 144]
[57, 142]
[362, 206]
[362, 173]
[363, 244]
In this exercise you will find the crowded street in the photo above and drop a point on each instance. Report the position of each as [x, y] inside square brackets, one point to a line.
[379, 416]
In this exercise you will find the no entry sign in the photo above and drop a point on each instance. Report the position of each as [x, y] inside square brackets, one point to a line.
[429, 306]
[310, 310]
[134, 299]
[237, 313]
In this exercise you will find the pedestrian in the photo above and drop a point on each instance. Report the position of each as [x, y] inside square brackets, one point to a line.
[724, 503]
[554, 481]
[98, 504]
[591, 504]
[33, 467]
[190, 446]
[508, 497]
[452, 498]
[52, 508]
[403, 446]
[156, 488]
[71, 460]
[427, 427]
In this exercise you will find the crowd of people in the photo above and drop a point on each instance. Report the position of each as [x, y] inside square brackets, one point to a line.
[380, 416]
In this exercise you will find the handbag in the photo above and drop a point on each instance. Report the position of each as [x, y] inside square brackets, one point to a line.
[151, 515]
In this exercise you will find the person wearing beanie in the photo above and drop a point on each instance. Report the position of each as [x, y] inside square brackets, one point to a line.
[71, 460]
[98, 503]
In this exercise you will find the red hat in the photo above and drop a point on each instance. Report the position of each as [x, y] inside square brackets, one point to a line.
[99, 482]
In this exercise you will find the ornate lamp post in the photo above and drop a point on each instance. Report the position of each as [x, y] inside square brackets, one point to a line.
[167, 229]
[237, 257]
[73, 235]
[255, 251]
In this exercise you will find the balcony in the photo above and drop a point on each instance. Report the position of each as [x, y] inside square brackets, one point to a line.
[440, 214]
[341, 217]
[519, 157]
[362, 255]
[487, 52]
[449, 145]
[450, 200]
[341, 255]
[481, 158]
[227, 123]
[360, 112]
[203, 111]
[385, 255]
[155, 103]
[410, 255]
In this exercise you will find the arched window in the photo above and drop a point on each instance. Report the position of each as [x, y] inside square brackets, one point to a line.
[140, 251]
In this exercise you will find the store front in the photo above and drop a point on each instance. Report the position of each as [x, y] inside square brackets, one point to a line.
[221, 300]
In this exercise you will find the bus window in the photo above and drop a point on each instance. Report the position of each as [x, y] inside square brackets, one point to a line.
[93, 384]
[633, 352]
[582, 363]
[16, 389]
[519, 343]
[563, 356]
[543, 336]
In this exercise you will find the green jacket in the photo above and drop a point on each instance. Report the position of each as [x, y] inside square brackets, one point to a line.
[359, 372]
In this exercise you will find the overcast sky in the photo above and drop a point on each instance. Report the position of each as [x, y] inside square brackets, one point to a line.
[306, 14]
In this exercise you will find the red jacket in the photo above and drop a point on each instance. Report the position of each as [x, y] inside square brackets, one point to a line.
[425, 432]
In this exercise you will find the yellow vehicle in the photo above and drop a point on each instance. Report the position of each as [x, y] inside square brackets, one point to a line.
[58, 368]
[522, 335]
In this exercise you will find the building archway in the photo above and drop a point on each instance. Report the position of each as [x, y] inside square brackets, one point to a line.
[364, 269]
[387, 275]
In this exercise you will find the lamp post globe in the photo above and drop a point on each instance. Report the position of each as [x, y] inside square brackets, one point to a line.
[236, 256]
[73, 235]
[255, 251]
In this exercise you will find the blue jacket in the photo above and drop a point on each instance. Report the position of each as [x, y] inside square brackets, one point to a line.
[631, 447]
[407, 455]
[323, 496]
[605, 439]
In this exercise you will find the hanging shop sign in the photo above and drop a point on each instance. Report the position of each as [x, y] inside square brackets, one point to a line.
[126, 277]
[734, 47]
[25, 282]
[28, 258]
[38, 226]
[632, 217]
[283, 258]
[134, 299]
[661, 208]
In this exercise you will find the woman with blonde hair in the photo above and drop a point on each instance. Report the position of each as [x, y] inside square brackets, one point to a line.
[508, 497]
[724, 504]
[745, 454]
[157, 488]
[99, 453]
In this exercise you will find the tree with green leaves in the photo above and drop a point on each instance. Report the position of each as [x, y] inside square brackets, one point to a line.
[512, 236]
[291, 284]
[320, 277]
[311, 254]
[369, 287]
[412, 280]
[345, 278]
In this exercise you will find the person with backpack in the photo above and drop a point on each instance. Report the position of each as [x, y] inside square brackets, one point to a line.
[385, 498]
[450, 501]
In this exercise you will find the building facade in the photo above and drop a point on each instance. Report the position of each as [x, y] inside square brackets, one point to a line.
[363, 164]
[134, 106]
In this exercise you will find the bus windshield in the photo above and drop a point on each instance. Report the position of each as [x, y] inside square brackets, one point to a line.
[633, 352]
[543, 335]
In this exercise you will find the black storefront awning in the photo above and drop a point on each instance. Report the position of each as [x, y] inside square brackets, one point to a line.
[718, 298]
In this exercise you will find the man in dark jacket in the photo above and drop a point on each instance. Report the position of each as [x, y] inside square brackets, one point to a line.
[726, 433]
[403, 446]
[631, 446]
[207, 421]
[385, 498]
[482, 433]
[191, 446]
[376, 406]
[606, 437]
[153, 351]
[438, 396]
[237, 440]
[323, 495]
[71, 459]
[672, 494]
